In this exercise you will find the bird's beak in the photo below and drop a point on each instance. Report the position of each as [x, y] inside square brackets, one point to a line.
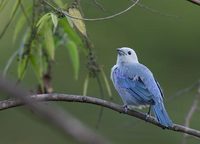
[120, 52]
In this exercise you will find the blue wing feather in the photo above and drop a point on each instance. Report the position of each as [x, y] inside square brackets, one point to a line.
[139, 90]
[159, 87]
[135, 86]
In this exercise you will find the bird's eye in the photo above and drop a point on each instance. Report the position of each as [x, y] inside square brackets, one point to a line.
[129, 52]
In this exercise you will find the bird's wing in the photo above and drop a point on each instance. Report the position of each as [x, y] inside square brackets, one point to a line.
[160, 89]
[135, 85]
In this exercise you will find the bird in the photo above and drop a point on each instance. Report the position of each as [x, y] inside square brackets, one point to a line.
[137, 86]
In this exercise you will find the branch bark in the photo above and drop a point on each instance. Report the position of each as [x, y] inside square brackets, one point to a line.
[5, 104]
[69, 125]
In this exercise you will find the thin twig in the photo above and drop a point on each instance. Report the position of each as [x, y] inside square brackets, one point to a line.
[191, 112]
[185, 90]
[152, 10]
[5, 104]
[193, 109]
[98, 4]
[24, 12]
[54, 115]
[189, 115]
[92, 19]
[27, 45]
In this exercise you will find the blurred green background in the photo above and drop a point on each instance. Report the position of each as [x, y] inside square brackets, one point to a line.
[166, 41]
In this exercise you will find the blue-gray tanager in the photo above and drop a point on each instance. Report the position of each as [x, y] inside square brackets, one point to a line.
[136, 85]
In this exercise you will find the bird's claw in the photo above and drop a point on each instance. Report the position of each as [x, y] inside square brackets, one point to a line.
[147, 116]
[125, 108]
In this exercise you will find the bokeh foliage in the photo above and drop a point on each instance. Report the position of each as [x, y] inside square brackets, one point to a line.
[47, 28]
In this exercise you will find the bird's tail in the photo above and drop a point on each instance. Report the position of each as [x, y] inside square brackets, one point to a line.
[161, 115]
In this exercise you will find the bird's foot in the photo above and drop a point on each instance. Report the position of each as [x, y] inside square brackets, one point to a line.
[125, 108]
[147, 116]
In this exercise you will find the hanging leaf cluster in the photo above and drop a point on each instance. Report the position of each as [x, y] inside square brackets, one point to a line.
[41, 30]
[41, 36]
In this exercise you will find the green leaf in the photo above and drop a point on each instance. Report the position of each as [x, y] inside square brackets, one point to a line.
[23, 59]
[46, 28]
[49, 41]
[55, 21]
[44, 63]
[80, 25]
[70, 22]
[8, 64]
[16, 4]
[106, 83]
[22, 65]
[42, 21]
[3, 4]
[85, 85]
[73, 52]
[36, 64]
[21, 22]
[70, 32]
[59, 3]
[19, 26]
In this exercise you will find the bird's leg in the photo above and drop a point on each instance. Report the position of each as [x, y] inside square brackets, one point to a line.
[149, 113]
[125, 106]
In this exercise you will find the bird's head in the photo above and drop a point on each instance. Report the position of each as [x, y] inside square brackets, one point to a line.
[126, 55]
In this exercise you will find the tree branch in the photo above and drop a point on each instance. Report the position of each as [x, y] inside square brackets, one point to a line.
[197, 2]
[69, 125]
[189, 115]
[90, 19]
[99, 5]
[5, 104]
